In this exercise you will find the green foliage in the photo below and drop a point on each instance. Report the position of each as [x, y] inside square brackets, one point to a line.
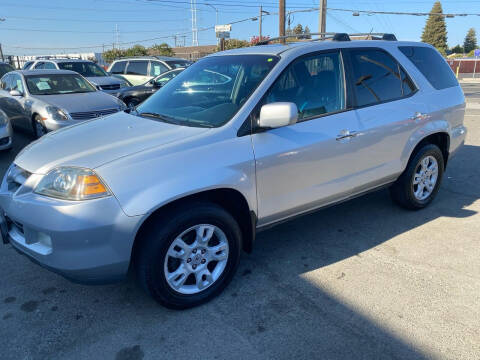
[435, 30]
[234, 44]
[162, 49]
[307, 32]
[136, 50]
[297, 30]
[113, 54]
[470, 42]
[458, 49]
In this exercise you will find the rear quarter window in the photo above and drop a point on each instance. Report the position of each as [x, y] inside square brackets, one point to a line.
[432, 65]
[137, 68]
[118, 67]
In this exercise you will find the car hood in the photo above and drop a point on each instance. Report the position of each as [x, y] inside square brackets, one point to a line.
[104, 80]
[96, 142]
[80, 102]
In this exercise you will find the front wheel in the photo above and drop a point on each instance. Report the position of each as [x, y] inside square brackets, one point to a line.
[38, 128]
[420, 182]
[189, 258]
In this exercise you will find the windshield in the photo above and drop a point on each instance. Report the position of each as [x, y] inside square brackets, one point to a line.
[55, 84]
[178, 63]
[87, 69]
[209, 92]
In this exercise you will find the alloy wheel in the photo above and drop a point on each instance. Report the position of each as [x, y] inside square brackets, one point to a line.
[425, 177]
[196, 259]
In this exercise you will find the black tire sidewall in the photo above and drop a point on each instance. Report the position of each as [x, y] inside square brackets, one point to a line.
[36, 120]
[158, 241]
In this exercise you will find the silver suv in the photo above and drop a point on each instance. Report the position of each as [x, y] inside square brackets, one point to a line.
[237, 142]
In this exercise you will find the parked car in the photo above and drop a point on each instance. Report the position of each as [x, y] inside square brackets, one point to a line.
[132, 96]
[88, 69]
[139, 70]
[6, 133]
[181, 185]
[5, 68]
[27, 65]
[46, 100]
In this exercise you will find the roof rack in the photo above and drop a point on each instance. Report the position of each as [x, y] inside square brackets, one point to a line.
[329, 36]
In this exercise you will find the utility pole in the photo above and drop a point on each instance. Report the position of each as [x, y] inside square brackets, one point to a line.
[260, 25]
[1, 52]
[281, 20]
[322, 18]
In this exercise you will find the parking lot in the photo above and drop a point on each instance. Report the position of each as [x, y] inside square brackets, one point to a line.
[361, 280]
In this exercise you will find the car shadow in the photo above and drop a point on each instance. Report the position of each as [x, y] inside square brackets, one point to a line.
[272, 310]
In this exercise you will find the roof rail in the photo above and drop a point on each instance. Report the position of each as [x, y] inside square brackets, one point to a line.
[385, 36]
[329, 36]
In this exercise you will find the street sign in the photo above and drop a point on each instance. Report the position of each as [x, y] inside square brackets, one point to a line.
[223, 35]
[477, 52]
[223, 28]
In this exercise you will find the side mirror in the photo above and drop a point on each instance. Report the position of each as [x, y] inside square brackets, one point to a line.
[277, 115]
[15, 93]
[156, 84]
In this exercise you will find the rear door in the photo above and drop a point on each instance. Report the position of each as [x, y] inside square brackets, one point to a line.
[388, 108]
[13, 106]
[311, 163]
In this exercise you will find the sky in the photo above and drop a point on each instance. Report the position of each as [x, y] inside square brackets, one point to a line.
[39, 27]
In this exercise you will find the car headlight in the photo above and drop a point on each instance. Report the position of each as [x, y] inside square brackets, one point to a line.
[56, 113]
[71, 183]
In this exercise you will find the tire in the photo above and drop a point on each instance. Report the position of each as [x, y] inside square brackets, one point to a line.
[410, 195]
[38, 128]
[154, 263]
[131, 103]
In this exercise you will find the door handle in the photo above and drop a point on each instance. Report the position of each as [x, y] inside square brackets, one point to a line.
[346, 134]
[418, 116]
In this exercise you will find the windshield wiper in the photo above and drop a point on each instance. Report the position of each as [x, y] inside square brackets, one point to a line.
[161, 117]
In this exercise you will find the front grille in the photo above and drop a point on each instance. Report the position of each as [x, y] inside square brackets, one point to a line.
[92, 114]
[110, 87]
[16, 177]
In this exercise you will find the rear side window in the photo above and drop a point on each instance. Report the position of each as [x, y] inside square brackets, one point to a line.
[431, 65]
[118, 67]
[137, 68]
[40, 65]
[49, 65]
[157, 68]
[378, 77]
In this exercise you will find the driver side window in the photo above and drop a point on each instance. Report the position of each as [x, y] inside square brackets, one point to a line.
[314, 83]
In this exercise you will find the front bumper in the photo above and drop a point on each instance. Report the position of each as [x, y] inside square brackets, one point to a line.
[87, 241]
[6, 134]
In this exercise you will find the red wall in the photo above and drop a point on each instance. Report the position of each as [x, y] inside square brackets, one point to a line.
[466, 66]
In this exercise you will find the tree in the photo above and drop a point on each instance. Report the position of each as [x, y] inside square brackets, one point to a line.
[162, 49]
[235, 44]
[458, 49]
[297, 30]
[307, 32]
[435, 30]
[470, 42]
[136, 50]
[113, 54]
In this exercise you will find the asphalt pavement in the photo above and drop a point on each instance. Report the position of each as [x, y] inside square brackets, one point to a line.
[361, 280]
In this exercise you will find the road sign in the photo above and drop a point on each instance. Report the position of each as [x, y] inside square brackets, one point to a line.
[223, 28]
[477, 52]
[223, 35]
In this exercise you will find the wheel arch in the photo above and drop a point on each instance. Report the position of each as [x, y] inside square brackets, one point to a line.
[230, 199]
[441, 139]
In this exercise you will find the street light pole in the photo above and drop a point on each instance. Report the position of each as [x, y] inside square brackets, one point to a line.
[216, 12]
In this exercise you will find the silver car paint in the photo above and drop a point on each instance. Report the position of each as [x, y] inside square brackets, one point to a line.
[281, 172]
[24, 107]
[5, 131]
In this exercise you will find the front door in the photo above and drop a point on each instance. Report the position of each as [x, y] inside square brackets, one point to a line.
[311, 163]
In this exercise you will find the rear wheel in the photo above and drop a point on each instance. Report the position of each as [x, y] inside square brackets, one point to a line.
[38, 128]
[191, 257]
[420, 182]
